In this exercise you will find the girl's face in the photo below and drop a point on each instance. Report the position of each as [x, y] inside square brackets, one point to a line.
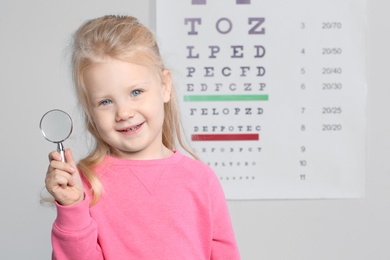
[127, 107]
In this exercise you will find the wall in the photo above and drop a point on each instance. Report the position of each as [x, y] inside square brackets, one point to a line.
[34, 78]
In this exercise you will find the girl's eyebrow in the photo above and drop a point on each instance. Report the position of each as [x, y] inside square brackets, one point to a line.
[97, 95]
[141, 83]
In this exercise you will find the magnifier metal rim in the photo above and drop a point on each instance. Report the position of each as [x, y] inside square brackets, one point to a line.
[43, 132]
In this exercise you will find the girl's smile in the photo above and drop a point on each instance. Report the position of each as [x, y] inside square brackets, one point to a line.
[131, 130]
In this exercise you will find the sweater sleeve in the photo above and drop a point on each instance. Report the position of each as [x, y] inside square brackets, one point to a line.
[224, 244]
[74, 233]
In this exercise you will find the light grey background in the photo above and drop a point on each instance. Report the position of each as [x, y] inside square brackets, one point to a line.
[34, 78]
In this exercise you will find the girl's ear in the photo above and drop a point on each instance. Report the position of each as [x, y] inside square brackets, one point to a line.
[166, 85]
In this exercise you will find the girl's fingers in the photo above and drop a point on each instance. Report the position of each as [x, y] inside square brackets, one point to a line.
[63, 181]
[55, 156]
[58, 178]
[59, 166]
[69, 157]
[70, 160]
[73, 167]
[54, 164]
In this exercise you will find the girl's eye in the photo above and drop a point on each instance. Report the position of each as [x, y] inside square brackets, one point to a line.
[136, 92]
[105, 102]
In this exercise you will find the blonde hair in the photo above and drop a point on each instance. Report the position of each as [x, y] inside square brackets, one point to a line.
[123, 38]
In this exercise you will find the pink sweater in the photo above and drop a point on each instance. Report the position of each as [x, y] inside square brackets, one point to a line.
[171, 208]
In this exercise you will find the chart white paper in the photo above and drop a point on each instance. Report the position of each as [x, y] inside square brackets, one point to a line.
[272, 92]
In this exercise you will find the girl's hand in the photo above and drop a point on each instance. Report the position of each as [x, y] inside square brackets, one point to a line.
[63, 180]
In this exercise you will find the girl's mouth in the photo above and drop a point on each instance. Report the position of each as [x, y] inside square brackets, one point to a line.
[131, 129]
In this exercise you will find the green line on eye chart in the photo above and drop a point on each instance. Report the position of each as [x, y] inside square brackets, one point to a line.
[201, 98]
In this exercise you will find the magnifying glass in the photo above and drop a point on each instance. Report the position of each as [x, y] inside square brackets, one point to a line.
[56, 126]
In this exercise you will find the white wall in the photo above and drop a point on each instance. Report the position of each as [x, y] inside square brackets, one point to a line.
[34, 78]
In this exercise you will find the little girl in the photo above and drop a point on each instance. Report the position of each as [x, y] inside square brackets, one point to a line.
[134, 196]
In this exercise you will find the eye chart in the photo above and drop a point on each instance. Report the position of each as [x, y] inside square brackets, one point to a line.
[272, 92]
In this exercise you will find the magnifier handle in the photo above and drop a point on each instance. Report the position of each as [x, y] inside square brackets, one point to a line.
[61, 150]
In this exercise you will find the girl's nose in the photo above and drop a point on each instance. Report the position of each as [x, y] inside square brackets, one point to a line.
[124, 113]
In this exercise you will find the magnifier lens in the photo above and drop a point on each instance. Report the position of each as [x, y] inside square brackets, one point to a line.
[56, 126]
